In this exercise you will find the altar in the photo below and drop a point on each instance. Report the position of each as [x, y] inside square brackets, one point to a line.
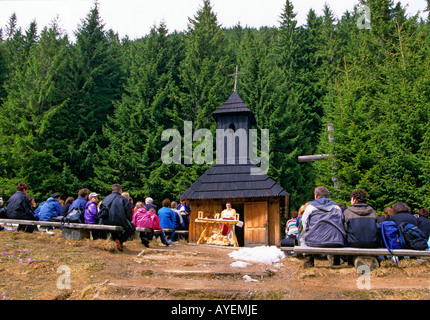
[214, 225]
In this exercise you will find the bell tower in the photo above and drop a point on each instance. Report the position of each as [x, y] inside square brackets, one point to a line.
[234, 120]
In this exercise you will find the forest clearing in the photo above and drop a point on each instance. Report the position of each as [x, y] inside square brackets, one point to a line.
[32, 268]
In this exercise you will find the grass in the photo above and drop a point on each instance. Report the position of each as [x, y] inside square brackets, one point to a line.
[31, 266]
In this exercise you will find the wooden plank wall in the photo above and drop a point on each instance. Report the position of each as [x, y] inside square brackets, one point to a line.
[274, 222]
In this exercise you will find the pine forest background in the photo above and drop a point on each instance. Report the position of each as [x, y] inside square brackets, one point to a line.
[90, 113]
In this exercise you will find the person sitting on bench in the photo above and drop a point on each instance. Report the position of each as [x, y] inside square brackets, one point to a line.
[361, 222]
[323, 225]
[18, 207]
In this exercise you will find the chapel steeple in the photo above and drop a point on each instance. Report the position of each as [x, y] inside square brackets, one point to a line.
[237, 117]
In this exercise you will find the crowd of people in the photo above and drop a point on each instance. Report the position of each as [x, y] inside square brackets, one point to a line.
[318, 223]
[116, 209]
[324, 223]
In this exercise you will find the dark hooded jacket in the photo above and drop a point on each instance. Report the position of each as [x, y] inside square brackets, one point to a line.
[361, 225]
[120, 213]
[323, 224]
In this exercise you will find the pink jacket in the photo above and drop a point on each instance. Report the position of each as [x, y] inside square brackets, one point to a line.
[146, 219]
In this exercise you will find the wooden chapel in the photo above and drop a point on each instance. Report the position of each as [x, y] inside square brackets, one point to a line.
[258, 199]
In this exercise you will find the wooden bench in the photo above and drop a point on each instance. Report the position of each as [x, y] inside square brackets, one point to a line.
[71, 231]
[361, 256]
[166, 231]
[79, 231]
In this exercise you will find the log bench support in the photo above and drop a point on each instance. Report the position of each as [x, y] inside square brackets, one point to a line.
[361, 256]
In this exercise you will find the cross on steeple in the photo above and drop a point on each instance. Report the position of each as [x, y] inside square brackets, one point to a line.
[235, 76]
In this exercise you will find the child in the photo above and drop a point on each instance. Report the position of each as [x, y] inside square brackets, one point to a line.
[143, 218]
[291, 227]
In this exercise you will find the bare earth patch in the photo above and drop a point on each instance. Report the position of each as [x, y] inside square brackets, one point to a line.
[36, 266]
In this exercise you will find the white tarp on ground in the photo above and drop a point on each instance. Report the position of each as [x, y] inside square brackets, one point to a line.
[264, 254]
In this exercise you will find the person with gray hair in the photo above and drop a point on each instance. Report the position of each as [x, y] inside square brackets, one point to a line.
[323, 225]
[149, 205]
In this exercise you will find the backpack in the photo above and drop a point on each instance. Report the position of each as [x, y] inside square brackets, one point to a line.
[103, 214]
[76, 215]
[411, 237]
[289, 241]
[390, 235]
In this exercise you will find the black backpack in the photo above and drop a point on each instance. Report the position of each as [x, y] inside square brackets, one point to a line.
[103, 214]
[289, 241]
[411, 237]
[76, 215]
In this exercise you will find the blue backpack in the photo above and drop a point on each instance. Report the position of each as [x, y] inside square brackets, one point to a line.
[390, 235]
[411, 237]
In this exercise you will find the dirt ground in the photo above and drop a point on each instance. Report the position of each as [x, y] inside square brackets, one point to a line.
[45, 266]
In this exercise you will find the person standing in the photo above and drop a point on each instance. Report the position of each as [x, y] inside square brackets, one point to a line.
[120, 214]
[227, 214]
[184, 207]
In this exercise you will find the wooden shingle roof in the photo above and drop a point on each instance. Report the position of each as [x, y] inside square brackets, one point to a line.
[233, 105]
[223, 181]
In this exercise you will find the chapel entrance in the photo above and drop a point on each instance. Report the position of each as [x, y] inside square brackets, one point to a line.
[256, 224]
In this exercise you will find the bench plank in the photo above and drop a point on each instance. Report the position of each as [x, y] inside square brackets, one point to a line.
[357, 251]
[31, 222]
[60, 225]
[78, 225]
[79, 231]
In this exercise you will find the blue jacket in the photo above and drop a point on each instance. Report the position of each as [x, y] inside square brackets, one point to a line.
[50, 209]
[167, 218]
[186, 218]
[79, 202]
[37, 211]
[187, 208]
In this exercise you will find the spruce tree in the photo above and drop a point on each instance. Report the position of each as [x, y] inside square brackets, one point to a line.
[97, 75]
[268, 93]
[205, 68]
[148, 106]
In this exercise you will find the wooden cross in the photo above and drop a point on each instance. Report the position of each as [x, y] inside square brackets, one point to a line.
[235, 77]
[319, 157]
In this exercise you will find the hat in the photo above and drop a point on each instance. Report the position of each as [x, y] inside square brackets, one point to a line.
[93, 195]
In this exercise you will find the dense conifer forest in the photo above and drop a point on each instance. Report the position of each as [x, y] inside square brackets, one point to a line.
[90, 113]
